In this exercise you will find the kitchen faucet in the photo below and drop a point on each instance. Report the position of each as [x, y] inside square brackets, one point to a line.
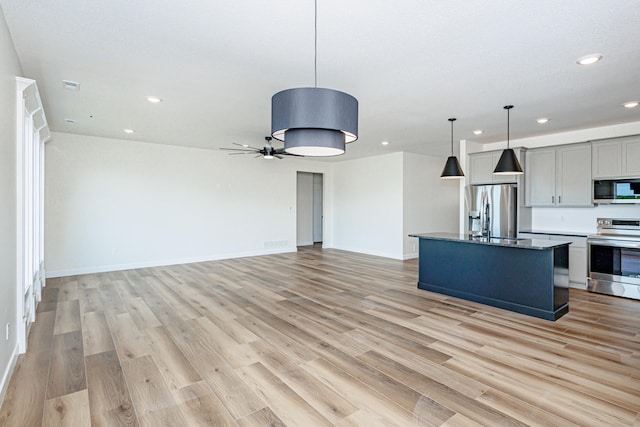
[487, 221]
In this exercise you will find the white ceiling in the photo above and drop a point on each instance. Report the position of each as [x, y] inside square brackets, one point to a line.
[412, 64]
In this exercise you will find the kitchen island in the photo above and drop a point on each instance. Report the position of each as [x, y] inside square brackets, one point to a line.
[527, 276]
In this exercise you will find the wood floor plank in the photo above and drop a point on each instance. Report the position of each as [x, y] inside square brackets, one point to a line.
[329, 337]
[108, 392]
[174, 366]
[290, 407]
[67, 370]
[70, 410]
[261, 418]
[127, 338]
[96, 336]
[90, 300]
[24, 399]
[200, 407]
[67, 317]
[149, 392]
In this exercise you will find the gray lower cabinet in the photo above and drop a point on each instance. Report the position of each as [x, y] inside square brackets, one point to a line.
[577, 256]
[616, 158]
[559, 176]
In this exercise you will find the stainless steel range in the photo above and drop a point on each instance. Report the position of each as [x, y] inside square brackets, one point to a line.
[614, 258]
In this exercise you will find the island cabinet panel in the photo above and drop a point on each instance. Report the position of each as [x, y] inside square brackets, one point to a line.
[616, 158]
[559, 176]
[521, 276]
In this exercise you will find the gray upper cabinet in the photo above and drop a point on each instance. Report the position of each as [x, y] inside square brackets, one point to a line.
[559, 176]
[482, 165]
[616, 158]
[541, 177]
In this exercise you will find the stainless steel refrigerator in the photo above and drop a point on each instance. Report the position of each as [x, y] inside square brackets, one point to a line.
[492, 210]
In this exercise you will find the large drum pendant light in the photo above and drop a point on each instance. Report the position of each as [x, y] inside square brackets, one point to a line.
[314, 121]
[452, 168]
[508, 163]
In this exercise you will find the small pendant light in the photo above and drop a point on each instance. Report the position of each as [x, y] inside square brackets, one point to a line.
[452, 169]
[508, 163]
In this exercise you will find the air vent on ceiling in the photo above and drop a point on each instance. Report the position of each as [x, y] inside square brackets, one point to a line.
[68, 84]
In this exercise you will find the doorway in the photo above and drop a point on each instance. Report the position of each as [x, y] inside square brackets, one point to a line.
[309, 209]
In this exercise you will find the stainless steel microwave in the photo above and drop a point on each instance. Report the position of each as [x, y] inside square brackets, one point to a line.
[616, 191]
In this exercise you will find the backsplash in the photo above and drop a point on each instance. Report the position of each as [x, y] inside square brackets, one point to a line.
[578, 219]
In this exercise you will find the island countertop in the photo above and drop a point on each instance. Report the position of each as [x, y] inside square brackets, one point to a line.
[537, 244]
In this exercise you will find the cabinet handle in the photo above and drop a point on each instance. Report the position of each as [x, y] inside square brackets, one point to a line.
[553, 199]
[559, 199]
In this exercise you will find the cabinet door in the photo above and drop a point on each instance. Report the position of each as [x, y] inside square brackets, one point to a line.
[573, 181]
[540, 179]
[482, 166]
[606, 159]
[630, 151]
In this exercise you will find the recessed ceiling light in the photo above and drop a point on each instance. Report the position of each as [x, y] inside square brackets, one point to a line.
[478, 132]
[129, 130]
[631, 104]
[542, 120]
[589, 59]
[154, 99]
[385, 142]
[70, 85]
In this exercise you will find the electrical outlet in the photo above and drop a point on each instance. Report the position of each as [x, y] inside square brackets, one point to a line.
[6, 334]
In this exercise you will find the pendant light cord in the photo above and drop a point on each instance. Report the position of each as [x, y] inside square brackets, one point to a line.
[452, 120]
[508, 107]
[315, 43]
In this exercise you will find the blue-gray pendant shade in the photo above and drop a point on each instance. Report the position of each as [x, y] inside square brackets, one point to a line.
[314, 121]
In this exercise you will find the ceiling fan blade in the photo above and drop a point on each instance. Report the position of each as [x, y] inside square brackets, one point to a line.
[245, 146]
[278, 156]
[232, 154]
[239, 149]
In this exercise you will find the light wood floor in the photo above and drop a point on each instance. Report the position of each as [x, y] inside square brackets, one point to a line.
[321, 337]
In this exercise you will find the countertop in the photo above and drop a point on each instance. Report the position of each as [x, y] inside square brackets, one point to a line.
[538, 244]
[560, 233]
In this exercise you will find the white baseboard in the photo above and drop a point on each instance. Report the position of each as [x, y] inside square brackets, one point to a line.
[163, 263]
[368, 252]
[6, 376]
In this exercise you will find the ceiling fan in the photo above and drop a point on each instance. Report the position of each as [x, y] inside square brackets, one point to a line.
[267, 152]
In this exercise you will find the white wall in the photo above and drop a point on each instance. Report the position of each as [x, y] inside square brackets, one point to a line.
[431, 204]
[367, 213]
[572, 219]
[9, 69]
[117, 204]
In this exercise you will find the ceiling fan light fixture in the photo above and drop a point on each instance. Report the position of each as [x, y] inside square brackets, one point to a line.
[452, 169]
[508, 163]
[313, 121]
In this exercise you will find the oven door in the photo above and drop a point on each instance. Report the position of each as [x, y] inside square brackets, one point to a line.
[614, 266]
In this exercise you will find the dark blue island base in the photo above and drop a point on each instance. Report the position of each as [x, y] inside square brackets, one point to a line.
[526, 276]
